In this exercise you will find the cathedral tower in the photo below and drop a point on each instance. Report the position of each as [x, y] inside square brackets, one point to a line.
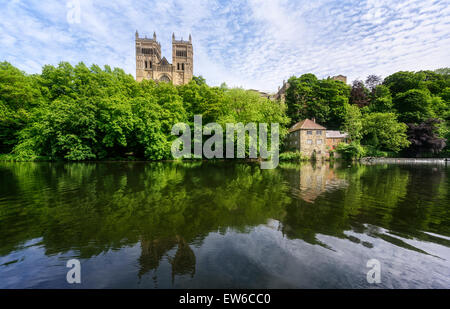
[182, 60]
[150, 64]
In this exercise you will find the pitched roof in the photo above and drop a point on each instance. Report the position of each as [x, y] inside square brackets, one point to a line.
[306, 125]
[336, 134]
[164, 61]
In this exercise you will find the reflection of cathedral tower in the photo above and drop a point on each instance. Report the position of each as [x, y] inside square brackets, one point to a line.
[152, 251]
[151, 65]
[184, 261]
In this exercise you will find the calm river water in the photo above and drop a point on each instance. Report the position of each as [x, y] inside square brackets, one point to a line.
[224, 225]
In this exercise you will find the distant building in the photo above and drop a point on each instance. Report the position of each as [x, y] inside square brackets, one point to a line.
[310, 138]
[263, 94]
[341, 78]
[281, 94]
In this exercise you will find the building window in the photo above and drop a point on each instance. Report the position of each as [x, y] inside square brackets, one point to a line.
[318, 132]
[319, 142]
[182, 66]
[145, 63]
[150, 64]
[148, 51]
[309, 142]
[309, 132]
[181, 53]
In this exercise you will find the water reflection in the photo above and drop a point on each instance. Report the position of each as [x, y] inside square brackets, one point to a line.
[311, 180]
[182, 224]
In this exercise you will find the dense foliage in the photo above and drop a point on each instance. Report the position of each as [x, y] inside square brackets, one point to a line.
[89, 113]
[92, 113]
[408, 113]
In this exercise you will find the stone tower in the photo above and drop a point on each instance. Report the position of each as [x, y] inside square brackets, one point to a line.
[150, 64]
[182, 60]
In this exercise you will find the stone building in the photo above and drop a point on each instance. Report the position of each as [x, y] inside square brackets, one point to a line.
[341, 78]
[307, 137]
[263, 94]
[281, 93]
[151, 65]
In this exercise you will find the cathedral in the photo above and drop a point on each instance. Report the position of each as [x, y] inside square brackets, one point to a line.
[150, 64]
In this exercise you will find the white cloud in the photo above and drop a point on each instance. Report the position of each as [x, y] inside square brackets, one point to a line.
[255, 44]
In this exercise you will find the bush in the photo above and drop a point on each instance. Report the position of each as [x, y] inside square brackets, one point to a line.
[371, 151]
[292, 156]
[350, 151]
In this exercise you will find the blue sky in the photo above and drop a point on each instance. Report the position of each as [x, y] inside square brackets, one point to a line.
[249, 43]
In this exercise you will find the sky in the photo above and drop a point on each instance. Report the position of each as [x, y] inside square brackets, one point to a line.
[252, 44]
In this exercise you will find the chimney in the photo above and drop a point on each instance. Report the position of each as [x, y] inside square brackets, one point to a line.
[314, 119]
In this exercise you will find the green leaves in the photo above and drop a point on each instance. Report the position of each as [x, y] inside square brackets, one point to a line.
[325, 100]
[383, 131]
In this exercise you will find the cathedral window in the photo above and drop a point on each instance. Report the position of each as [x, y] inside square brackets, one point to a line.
[181, 53]
[182, 66]
[147, 51]
[145, 63]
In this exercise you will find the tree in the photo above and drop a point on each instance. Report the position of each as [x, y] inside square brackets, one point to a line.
[424, 139]
[199, 80]
[19, 94]
[413, 105]
[350, 151]
[401, 82]
[373, 81]
[383, 131]
[381, 100]
[324, 100]
[333, 97]
[300, 95]
[353, 122]
[64, 129]
[359, 94]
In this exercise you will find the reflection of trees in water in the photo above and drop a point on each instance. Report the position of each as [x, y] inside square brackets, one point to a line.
[403, 201]
[92, 208]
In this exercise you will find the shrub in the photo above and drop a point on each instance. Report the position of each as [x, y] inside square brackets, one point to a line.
[350, 151]
[292, 156]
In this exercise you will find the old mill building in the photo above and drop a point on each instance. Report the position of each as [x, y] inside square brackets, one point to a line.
[312, 139]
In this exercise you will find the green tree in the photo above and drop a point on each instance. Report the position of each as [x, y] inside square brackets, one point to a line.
[19, 94]
[413, 106]
[353, 122]
[383, 131]
[324, 100]
[401, 82]
[381, 100]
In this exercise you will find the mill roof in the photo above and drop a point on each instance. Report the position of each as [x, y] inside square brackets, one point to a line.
[306, 124]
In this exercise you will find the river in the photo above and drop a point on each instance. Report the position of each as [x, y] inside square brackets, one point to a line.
[224, 225]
